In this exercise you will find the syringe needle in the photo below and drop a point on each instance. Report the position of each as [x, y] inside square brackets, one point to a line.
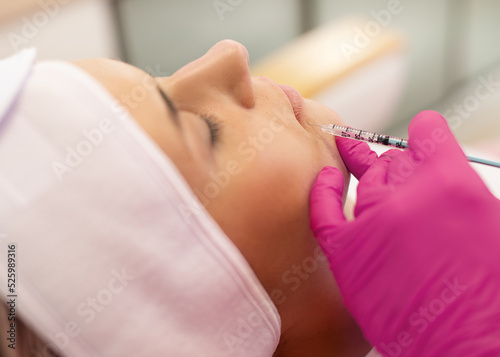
[386, 140]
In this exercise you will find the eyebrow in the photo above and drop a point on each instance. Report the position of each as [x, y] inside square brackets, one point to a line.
[174, 113]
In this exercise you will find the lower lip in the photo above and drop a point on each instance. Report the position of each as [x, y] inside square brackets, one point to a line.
[296, 101]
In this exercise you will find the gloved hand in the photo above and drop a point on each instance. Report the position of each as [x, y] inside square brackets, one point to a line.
[419, 266]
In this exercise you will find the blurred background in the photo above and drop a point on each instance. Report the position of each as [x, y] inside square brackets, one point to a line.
[376, 62]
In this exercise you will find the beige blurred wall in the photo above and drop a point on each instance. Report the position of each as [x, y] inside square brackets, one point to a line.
[60, 29]
[450, 42]
[12, 9]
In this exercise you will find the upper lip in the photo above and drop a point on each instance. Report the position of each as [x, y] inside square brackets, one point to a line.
[296, 102]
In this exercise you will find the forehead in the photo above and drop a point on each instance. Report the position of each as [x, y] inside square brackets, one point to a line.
[112, 73]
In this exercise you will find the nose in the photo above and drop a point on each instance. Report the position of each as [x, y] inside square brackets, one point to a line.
[221, 74]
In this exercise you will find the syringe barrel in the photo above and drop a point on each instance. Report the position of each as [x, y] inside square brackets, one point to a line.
[366, 136]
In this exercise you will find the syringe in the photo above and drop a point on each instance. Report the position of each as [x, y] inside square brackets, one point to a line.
[386, 140]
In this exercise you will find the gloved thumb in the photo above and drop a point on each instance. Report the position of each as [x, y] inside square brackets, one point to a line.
[325, 203]
[430, 136]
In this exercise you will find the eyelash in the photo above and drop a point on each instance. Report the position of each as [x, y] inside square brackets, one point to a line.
[213, 126]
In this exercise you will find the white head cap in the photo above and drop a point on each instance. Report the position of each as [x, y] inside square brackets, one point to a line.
[114, 255]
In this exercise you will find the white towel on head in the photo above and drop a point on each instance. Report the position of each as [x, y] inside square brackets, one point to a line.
[115, 255]
[13, 73]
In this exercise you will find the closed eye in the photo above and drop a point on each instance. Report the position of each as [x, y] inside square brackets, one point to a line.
[170, 105]
[214, 127]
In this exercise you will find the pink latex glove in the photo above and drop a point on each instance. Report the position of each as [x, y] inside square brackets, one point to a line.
[419, 267]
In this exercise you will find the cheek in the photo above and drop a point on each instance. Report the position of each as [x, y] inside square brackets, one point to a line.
[275, 179]
[268, 192]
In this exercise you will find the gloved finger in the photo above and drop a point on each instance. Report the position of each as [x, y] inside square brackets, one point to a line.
[357, 155]
[392, 153]
[431, 139]
[376, 174]
[325, 202]
[402, 166]
[372, 186]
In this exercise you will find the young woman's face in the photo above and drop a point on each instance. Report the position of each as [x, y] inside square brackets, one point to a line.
[245, 147]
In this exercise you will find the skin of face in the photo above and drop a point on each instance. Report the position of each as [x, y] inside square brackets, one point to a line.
[254, 179]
